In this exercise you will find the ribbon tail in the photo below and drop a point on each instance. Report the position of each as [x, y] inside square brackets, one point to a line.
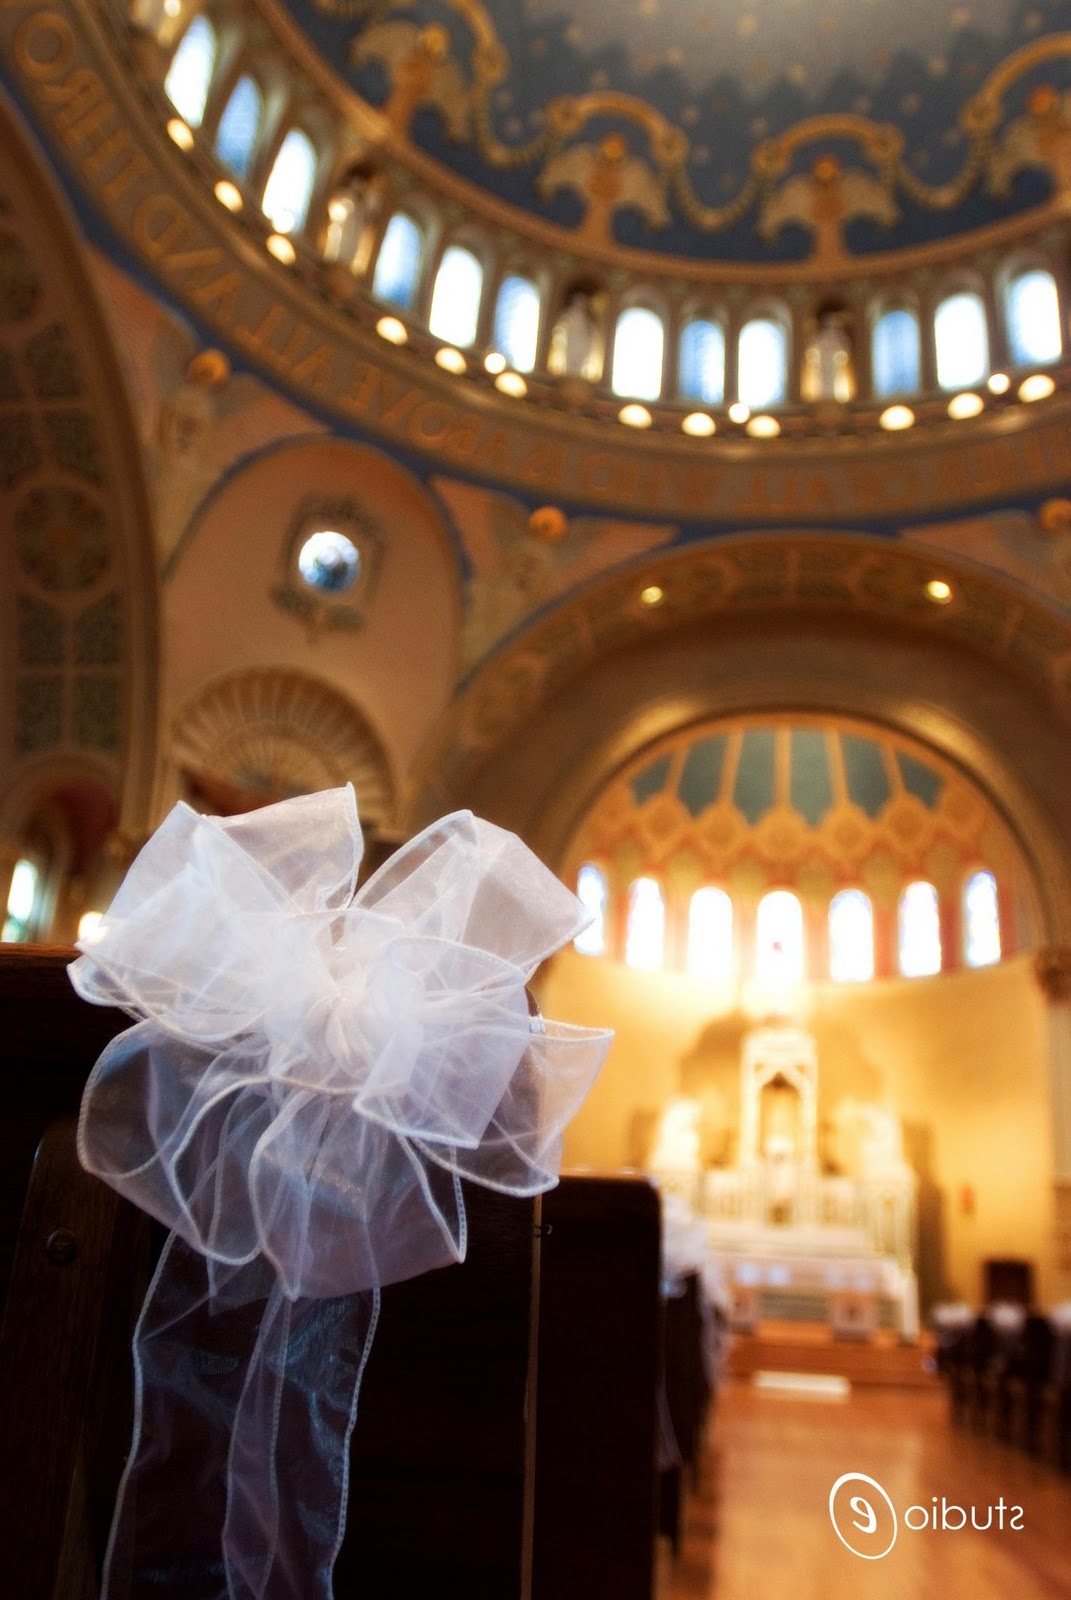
[298, 1405]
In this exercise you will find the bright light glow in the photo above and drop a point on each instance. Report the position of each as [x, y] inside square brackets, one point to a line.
[172, 8]
[739, 412]
[939, 591]
[392, 330]
[646, 935]
[851, 937]
[1033, 309]
[699, 425]
[701, 364]
[513, 384]
[289, 187]
[181, 133]
[639, 344]
[517, 313]
[895, 353]
[981, 920]
[634, 416]
[228, 194]
[961, 336]
[998, 383]
[779, 939]
[89, 925]
[653, 595]
[451, 360]
[763, 363]
[764, 427]
[962, 406]
[236, 137]
[895, 418]
[920, 931]
[280, 247]
[398, 262]
[494, 362]
[455, 299]
[190, 72]
[328, 560]
[22, 895]
[710, 936]
[1038, 386]
[591, 891]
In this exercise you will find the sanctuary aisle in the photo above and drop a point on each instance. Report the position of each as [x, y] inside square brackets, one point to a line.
[759, 1527]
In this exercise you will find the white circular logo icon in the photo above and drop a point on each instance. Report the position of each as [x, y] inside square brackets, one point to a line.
[863, 1516]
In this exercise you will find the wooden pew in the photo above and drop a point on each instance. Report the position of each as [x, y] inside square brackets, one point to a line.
[599, 1355]
[441, 1474]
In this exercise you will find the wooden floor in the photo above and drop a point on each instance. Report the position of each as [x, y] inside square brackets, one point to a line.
[759, 1527]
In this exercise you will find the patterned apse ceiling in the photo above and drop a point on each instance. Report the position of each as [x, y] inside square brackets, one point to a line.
[689, 126]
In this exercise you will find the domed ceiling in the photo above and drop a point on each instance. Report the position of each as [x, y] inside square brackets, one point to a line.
[736, 129]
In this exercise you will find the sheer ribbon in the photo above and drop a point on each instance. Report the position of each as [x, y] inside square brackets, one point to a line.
[313, 1074]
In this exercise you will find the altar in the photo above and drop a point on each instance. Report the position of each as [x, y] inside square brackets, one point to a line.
[788, 1236]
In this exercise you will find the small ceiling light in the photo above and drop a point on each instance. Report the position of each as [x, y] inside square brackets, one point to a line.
[939, 591]
[1037, 387]
[698, 424]
[998, 383]
[281, 248]
[635, 416]
[739, 412]
[965, 405]
[338, 210]
[392, 330]
[653, 595]
[172, 8]
[450, 360]
[764, 427]
[895, 418]
[228, 194]
[495, 362]
[513, 384]
[181, 133]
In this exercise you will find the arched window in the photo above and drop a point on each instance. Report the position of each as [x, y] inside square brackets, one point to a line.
[920, 931]
[779, 939]
[981, 920]
[1033, 311]
[398, 263]
[190, 72]
[21, 903]
[896, 353]
[289, 186]
[639, 343]
[517, 322]
[236, 137]
[710, 935]
[592, 893]
[645, 938]
[961, 336]
[455, 300]
[762, 357]
[851, 937]
[701, 368]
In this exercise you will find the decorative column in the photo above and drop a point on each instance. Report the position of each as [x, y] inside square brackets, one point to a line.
[1052, 967]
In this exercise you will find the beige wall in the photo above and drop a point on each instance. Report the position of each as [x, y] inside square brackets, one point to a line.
[962, 1058]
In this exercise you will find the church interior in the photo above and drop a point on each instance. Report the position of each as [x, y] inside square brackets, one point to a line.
[647, 426]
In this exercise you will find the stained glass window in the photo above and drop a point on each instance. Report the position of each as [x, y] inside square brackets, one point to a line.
[21, 902]
[763, 363]
[779, 939]
[455, 300]
[329, 561]
[710, 935]
[236, 137]
[398, 262]
[638, 350]
[289, 187]
[981, 920]
[517, 323]
[701, 374]
[592, 893]
[1033, 309]
[961, 336]
[190, 72]
[851, 937]
[920, 931]
[896, 354]
[645, 938]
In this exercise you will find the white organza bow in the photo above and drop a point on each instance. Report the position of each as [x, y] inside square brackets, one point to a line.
[314, 1073]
